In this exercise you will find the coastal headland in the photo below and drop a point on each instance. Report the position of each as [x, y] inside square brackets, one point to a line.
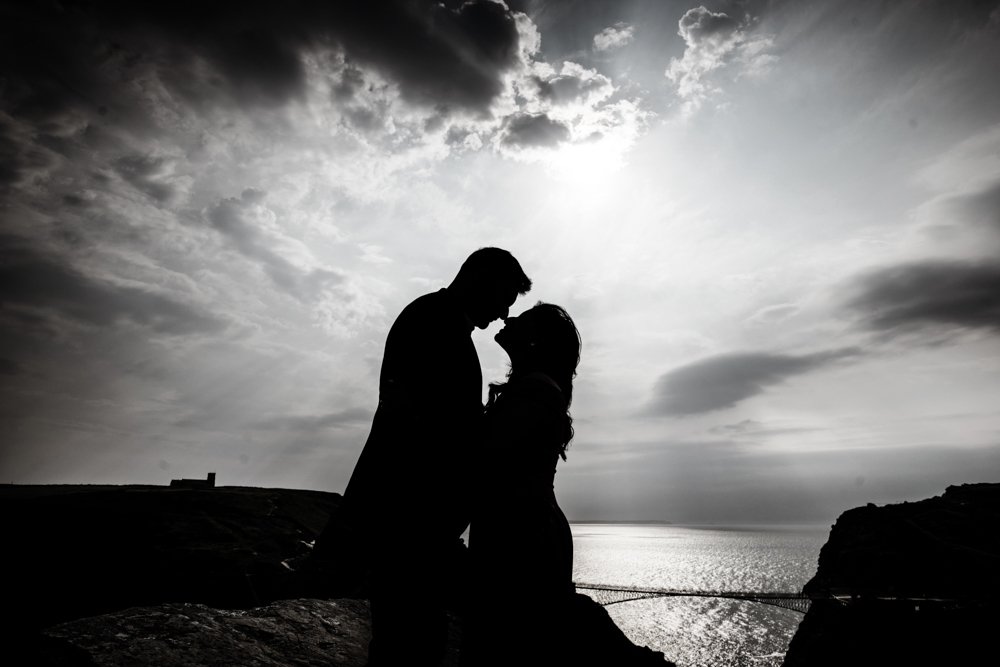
[105, 575]
[913, 583]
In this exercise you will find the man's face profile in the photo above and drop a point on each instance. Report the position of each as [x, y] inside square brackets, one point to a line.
[495, 303]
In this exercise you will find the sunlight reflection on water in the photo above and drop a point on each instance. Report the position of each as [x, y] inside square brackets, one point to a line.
[696, 632]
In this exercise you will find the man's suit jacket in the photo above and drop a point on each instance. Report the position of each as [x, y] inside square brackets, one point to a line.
[412, 478]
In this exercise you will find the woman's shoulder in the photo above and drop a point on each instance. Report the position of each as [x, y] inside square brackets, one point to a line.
[540, 381]
[539, 388]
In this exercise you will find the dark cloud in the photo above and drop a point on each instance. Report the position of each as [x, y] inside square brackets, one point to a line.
[569, 88]
[525, 130]
[699, 24]
[725, 380]
[59, 56]
[367, 118]
[19, 159]
[144, 172]
[351, 80]
[229, 217]
[9, 367]
[9, 162]
[260, 65]
[34, 284]
[75, 201]
[439, 56]
[940, 295]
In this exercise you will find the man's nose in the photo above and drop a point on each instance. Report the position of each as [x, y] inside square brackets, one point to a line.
[505, 314]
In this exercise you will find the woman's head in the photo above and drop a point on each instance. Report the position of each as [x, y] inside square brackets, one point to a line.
[543, 338]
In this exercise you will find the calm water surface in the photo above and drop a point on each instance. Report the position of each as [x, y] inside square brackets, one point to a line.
[702, 632]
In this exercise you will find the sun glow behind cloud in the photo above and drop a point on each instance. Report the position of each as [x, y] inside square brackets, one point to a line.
[588, 170]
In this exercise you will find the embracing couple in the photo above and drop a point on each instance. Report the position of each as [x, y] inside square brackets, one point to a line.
[436, 462]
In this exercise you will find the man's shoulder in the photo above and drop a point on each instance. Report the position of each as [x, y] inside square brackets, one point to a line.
[432, 305]
[436, 299]
[425, 314]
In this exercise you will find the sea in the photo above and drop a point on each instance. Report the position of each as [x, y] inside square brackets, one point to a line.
[693, 631]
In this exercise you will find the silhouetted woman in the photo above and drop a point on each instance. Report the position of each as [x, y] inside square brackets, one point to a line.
[523, 607]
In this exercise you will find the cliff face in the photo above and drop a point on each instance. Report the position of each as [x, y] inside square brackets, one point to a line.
[78, 551]
[914, 584]
[161, 577]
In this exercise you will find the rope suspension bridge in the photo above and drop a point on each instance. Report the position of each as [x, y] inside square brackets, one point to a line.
[609, 595]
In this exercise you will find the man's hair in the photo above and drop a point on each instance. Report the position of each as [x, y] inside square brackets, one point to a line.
[488, 264]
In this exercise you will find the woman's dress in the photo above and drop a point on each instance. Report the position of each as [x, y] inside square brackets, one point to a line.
[523, 608]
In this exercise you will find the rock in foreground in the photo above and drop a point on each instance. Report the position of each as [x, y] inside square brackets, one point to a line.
[303, 633]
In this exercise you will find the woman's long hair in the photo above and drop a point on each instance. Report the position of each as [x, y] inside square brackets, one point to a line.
[556, 353]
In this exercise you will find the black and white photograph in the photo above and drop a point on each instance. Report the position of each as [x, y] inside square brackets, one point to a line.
[481, 333]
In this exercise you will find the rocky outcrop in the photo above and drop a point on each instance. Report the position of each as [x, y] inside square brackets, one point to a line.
[910, 584]
[164, 577]
[74, 551]
[304, 633]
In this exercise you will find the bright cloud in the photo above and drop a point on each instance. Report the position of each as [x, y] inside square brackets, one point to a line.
[715, 42]
[614, 37]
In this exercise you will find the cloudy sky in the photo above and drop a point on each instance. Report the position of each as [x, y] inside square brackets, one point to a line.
[777, 225]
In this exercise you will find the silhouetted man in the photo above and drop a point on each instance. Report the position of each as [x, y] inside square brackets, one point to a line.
[406, 505]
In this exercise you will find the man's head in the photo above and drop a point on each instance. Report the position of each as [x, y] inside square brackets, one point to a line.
[488, 284]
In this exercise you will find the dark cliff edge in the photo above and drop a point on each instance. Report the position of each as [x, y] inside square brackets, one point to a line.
[910, 584]
[189, 562]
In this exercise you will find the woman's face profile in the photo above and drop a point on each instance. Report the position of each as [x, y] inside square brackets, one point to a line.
[517, 334]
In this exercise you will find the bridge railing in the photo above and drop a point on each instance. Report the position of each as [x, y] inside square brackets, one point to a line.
[799, 602]
[609, 595]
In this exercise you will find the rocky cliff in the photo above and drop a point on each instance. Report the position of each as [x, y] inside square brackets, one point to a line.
[304, 633]
[78, 551]
[156, 576]
[910, 584]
